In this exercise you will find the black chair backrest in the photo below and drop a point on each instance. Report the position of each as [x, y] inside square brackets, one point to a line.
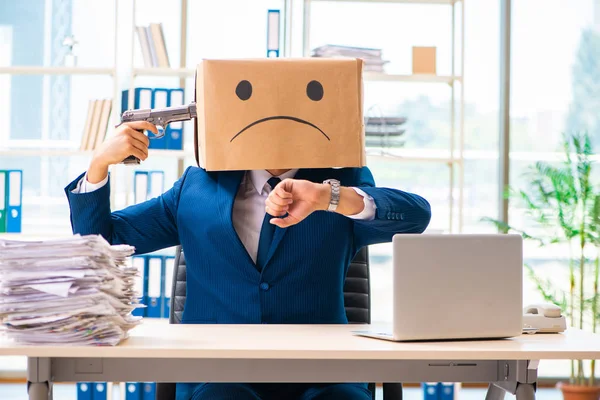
[357, 293]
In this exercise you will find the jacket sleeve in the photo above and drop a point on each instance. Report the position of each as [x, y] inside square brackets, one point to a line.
[397, 212]
[148, 226]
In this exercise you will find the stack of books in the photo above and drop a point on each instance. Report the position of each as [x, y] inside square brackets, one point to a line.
[373, 58]
[96, 124]
[154, 49]
[384, 131]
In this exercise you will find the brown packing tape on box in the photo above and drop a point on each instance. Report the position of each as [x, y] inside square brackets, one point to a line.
[279, 113]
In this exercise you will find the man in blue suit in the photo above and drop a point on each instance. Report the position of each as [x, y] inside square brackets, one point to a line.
[245, 265]
[262, 246]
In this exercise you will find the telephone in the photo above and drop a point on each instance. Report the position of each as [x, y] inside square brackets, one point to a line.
[544, 318]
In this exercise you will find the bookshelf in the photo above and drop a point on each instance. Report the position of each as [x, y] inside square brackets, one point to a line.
[455, 158]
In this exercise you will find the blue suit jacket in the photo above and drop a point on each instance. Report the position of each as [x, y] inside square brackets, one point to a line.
[303, 278]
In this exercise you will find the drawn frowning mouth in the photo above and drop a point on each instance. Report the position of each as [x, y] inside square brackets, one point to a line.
[279, 117]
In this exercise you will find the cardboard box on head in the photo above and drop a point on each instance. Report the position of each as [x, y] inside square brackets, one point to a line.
[279, 113]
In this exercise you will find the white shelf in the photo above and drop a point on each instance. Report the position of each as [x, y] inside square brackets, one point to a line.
[179, 154]
[383, 77]
[367, 76]
[50, 70]
[446, 2]
[176, 72]
[414, 155]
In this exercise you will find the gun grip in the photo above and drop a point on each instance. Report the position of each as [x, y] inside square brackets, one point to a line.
[132, 160]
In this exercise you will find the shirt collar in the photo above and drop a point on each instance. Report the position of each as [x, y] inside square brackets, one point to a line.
[259, 177]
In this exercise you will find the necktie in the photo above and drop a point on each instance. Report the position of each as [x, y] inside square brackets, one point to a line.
[266, 233]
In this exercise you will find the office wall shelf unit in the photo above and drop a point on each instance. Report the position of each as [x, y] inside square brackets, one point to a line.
[455, 152]
[56, 70]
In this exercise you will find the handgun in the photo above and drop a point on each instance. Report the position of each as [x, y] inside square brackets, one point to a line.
[161, 117]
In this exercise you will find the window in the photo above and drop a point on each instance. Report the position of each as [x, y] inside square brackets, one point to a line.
[554, 90]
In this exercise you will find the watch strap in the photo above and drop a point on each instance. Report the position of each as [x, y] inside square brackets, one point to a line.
[335, 194]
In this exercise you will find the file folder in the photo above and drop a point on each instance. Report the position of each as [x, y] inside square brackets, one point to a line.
[142, 98]
[3, 181]
[149, 391]
[100, 391]
[160, 99]
[140, 186]
[84, 391]
[133, 391]
[157, 184]
[153, 273]
[140, 263]
[174, 132]
[14, 198]
[446, 391]
[430, 391]
[169, 268]
[273, 17]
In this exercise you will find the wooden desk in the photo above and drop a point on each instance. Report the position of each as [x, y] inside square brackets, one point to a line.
[159, 352]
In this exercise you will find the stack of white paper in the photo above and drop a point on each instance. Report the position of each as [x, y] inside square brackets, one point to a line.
[75, 291]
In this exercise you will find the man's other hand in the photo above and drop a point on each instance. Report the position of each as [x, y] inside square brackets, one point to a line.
[300, 198]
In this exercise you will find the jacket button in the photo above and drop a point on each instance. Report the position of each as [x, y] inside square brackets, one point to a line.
[264, 286]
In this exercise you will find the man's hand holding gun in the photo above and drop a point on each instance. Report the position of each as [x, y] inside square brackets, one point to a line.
[129, 144]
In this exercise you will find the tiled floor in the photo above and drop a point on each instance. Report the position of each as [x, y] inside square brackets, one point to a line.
[67, 392]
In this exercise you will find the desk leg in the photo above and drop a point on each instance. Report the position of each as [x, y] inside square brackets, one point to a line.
[39, 386]
[495, 393]
[522, 383]
[525, 391]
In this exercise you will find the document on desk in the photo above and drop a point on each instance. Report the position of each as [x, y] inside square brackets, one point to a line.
[74, 291]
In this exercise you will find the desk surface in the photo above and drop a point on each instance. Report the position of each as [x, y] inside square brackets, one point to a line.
[158, 339]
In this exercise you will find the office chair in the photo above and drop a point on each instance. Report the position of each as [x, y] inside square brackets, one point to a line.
[357, 300]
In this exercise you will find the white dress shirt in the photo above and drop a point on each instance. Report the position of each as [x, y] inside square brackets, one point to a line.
[249, 204]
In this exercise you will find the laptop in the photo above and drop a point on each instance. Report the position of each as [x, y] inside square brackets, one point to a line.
[455, 286]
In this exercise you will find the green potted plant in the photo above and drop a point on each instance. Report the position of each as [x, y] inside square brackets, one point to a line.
[564, 205]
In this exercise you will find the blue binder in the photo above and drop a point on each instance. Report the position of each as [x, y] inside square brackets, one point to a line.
[174, 132]
[133, 391]
[168, 268]
[153, 278]
[14, 198]
[446, 391]
[141, 186]
[100, 391]
[142, 98]
[149, 391]
[273, 18]
[84, 391]
[156, 186]
[140, 263]
[160, 99]
[430, 391]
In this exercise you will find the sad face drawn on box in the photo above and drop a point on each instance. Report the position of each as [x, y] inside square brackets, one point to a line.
[279, 113]
[314, 91]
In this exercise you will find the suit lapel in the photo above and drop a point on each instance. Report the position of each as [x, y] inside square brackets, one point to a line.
[280, 232]
[228, 185]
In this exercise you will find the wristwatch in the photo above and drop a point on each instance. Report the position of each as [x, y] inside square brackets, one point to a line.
[335, 193]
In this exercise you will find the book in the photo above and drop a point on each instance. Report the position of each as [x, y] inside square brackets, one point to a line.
[160, 47]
